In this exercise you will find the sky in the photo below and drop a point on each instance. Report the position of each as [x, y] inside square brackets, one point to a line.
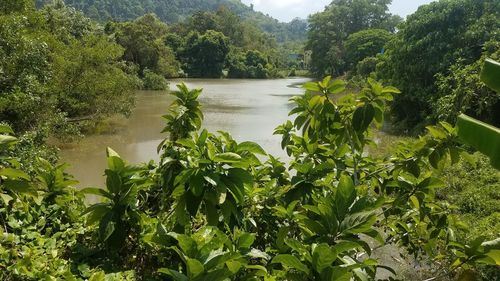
[286, 10]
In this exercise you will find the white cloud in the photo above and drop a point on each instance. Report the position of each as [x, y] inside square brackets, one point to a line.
[286, 10]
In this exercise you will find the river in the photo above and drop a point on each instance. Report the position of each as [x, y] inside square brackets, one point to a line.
[248, 109]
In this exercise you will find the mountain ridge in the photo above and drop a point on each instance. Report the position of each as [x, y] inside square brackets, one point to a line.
[172, 11]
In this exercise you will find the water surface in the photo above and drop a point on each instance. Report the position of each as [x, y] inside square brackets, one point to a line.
[248, 109]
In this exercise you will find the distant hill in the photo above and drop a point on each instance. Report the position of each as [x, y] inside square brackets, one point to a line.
[171, 11]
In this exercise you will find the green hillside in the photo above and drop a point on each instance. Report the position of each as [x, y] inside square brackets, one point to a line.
[176, 10]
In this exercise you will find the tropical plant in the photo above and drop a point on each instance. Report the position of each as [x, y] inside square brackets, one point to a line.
[437, 37]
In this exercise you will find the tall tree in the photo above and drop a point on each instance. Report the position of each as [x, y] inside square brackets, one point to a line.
[329, 29]
[144, 43]
[433, 39]
[365, 43]
[205, 55]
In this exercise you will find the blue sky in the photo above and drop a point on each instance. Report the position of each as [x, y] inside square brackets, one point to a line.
[286, 10]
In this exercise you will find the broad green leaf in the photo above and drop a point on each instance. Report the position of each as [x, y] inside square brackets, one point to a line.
[358, 223]
[336, 87]
[177, 276]
[345, 196]
[5, 129]
[336, 273]
[97, 191]
[115, 163]
[483, 137]
[290, 261]
[311, 86]
[113, 182]
[111, 153]
[195, 268]
[6, 199]
[246, 240]
[7, 140]
[196, 184]
[98, 276]
[323, 257]
[490, 74]
[21, 186]
[107, 226]
[363, 117]
[227, 157]
[437, 132]
[345, 246]
[14, 174]
[186, 243]
[250, 147]
[495, 256]
[234, 266]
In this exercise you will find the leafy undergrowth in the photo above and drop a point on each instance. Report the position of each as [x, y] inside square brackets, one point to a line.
[215, 209]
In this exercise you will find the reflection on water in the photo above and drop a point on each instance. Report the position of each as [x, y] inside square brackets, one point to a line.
[248, 109]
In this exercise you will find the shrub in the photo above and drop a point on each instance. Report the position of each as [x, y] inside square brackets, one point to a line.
[153, 81]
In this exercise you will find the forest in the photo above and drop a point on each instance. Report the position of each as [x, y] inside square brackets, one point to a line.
[217, 208]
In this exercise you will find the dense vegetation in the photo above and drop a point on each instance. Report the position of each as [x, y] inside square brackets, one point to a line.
[57, 66]
[332, 30]
[216, 209]
[172, 11]
[212, 210]
[62, 71]
[434, 57]
[203, 45]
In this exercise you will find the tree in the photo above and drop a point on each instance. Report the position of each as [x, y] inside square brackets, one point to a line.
[24, 72]
[56, 65]
[250, 65]
[89, 81]
[205, 55]
[365, 43]
[144, 44]
[329, 29]
[15, 6]
[433, 39]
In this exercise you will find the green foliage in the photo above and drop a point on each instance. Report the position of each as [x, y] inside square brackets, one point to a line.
[15, 6]
[364, 44]
[431, 42]
[56, 68]
[212, 209]
[205, 54]
[118, 216]
[172, 11]
[185, 113]
[144, 44]
[366, 66]
[473, 186]
[462, 91]
[153, 81]
[329, 31]
[481, 136]
[89, 81]
[250, 65]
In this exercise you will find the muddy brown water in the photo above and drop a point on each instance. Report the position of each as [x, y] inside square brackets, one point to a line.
[248, 109]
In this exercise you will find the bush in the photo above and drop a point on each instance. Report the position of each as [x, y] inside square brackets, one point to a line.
[366, 66]
[212, 209]
[153, 81]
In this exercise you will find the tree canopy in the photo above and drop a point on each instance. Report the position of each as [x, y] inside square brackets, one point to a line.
[330, 29]
[57, 66]
[171, 11]
[430, 42]
[205, 54]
